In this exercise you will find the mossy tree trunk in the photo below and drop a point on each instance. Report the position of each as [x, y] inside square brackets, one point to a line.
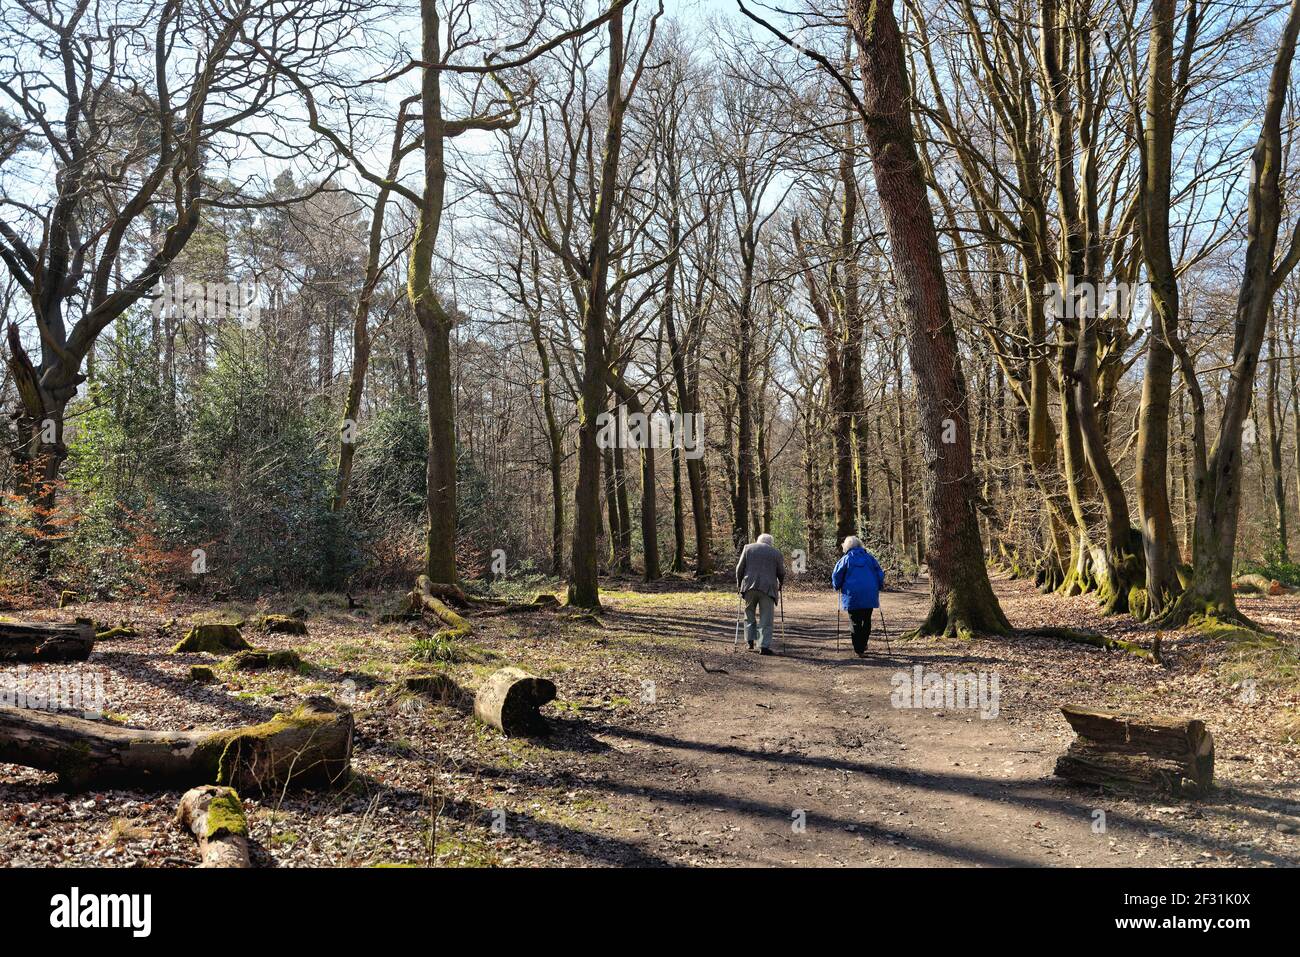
[1218, 470]
[1064, 38]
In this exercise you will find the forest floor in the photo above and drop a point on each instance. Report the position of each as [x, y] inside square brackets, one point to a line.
[669, 748]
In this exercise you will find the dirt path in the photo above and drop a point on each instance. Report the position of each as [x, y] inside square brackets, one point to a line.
[802, 759]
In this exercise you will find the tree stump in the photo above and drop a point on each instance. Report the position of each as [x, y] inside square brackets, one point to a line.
[1156, 755]
[508, 701]
[216, 639]
[282, 625]
[46, 641]
[259, 659]
[435, 685]
[312, 746]
[215, 816]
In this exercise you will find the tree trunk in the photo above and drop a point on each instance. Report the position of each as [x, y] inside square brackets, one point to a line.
[649, 510]
[1218, 471]
[1158, 540]
[584, 588]
[436, 323]
[963, 599]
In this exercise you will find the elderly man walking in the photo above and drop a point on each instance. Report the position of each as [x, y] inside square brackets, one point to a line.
[760, 573]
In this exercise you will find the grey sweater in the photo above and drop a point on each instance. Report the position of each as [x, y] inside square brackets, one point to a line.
[761, 567]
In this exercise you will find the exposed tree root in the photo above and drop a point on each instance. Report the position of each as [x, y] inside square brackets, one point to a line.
[962, 617]
[1098, 641]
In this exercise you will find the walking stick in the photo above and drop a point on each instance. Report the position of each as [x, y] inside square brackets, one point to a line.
[736, 640]
[837, 626]
[885, 629]
[781, 595]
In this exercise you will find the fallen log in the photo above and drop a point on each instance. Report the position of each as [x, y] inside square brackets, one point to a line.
[1151, 754]
[1259, 585]
[46, 641]
[509, 699]
[311, 746]
[116, 633]
[215, 816]
[425, 596]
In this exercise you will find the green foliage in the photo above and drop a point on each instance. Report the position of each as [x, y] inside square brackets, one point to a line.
[265, 469]
[389, 476]
[238, 466]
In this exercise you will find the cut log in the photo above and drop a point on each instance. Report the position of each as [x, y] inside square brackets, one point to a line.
[310, 747]
[1160, 755]
[508, 701]
[215, 816]
[1251, 584]
[46, 641]
[216, 639]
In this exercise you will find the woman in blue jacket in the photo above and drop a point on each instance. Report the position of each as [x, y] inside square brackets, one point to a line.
[858, 578]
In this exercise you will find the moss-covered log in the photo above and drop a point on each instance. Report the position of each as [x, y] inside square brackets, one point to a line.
[213, 638]
[282, 625]
[310, 747]
[46, 641]
[117, 633]
[214, 815]
[437, 685]
[427, 597]
[1163, 755]
[509, 699]
[260, 659]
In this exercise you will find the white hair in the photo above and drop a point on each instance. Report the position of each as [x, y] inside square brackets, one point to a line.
[765, 539]
[851, 542]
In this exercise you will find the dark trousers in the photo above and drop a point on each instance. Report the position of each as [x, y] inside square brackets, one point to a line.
[861, 618]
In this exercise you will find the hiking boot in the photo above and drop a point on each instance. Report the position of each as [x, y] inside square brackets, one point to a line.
[767, 651]
[750, 642]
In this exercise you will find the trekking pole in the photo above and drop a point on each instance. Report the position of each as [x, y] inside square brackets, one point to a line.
[885, 629]
[837, 626]
[736, 641]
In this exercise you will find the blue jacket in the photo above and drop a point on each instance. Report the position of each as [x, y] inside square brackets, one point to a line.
[858, 578]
